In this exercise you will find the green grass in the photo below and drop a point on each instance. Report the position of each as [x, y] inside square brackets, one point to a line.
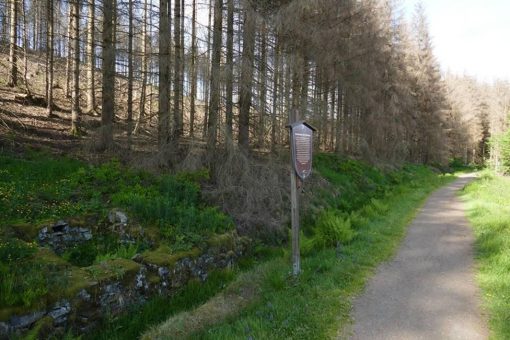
[489, 211]
[37, 189]
[356, 182]
[317, 304]
[36, 186]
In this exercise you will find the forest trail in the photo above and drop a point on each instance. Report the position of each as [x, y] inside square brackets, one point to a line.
[428, 291]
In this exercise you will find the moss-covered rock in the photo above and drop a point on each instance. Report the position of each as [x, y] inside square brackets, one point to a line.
[163, 257]
[230, 241]
[115, 269]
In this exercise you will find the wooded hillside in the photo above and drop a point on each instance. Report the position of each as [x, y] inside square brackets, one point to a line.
[229, 70]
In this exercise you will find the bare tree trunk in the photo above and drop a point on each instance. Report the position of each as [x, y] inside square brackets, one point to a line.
[177, 114]
[358, 128]
[262, 86]
[4, 37]
[34, 31]
[75, 102]
[57, 38]
[183, 64]
[276, 80]
[151, 68]
[316, 102]
[207, 76]
[69, 50]
[246, 78]
[143, 91]
[130, 76]
[40, 31]
[91, 58]
[108, 73]
[331, 145]
[230, 68]
[164, 76]
[324, 118]
[215, 75]
[25, 48]
[287, 104]
[13, 57]
[304, 89]
[298, 71]
[344, 128]
[339, 120]
[115, 22]
[37, 29]
[193, 93]
[49, 65]
[350, 128]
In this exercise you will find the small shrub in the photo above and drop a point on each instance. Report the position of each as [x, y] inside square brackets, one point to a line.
[329, 230]
[86, 253]
[81, 255]
[375, 208]
[306, 244]
[332, 228]
[379, 206]
[358, 220]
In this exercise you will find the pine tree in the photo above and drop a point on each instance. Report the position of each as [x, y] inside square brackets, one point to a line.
[246, 81]
[13, 48]
[214, 105]
[108, 75]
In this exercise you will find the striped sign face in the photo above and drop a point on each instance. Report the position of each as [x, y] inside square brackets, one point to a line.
[302, 147]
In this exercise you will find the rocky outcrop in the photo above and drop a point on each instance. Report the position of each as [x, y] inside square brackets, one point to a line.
[61, 236]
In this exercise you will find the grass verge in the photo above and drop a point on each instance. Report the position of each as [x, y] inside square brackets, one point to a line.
[488, 201]
[317, 304]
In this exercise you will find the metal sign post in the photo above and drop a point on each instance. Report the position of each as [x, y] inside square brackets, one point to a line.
[301, 144]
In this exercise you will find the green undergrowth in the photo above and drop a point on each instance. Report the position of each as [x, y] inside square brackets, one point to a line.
[488, 201]
[357, 193]
[22, 279]
[355, 230]
[37, 189]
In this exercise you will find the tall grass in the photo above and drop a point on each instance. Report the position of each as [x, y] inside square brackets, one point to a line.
[488, 200]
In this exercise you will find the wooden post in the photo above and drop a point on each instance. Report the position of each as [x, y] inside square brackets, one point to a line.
[296, 260]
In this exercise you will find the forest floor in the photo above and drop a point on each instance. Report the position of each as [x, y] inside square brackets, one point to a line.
[22, 124]
[428, 291]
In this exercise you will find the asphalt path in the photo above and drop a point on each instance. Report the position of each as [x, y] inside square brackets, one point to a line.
[428, 291]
